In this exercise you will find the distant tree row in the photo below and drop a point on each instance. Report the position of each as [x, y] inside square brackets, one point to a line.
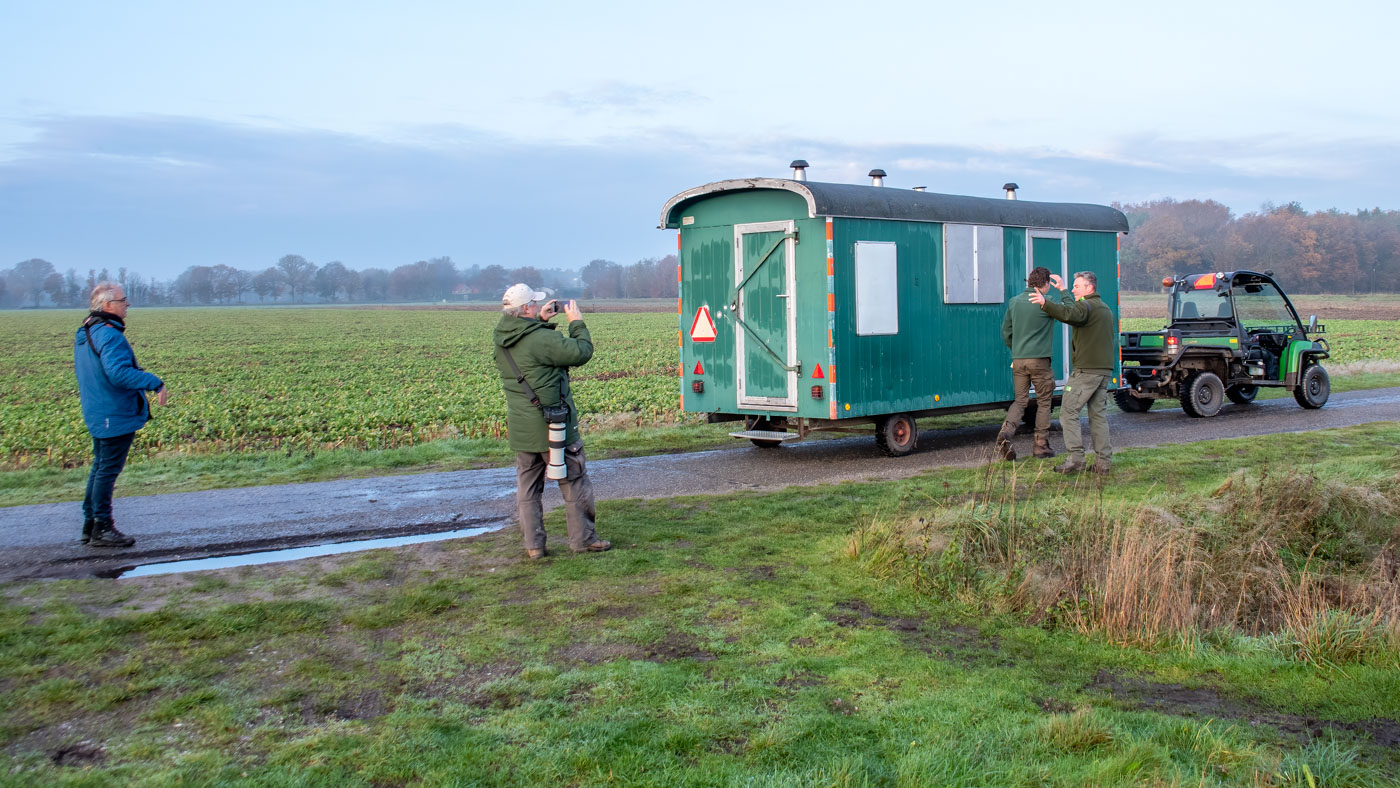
[294, 279]
[1321, 252]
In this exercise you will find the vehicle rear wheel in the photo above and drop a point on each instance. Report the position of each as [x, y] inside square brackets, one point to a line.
[1127, 403]
[1314, 388]
[1203, 395]
[896, 435]
[1242, 394]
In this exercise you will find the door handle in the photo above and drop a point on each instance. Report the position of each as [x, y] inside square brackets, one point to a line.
[781, 295]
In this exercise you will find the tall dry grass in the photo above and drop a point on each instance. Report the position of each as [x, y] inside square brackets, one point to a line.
[1310, 562]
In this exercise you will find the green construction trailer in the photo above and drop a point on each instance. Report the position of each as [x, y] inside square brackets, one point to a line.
[813, 306]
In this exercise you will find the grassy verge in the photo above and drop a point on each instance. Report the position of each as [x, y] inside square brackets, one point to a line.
[775, 639]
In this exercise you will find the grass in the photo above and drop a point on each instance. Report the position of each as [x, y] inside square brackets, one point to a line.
[727, 640]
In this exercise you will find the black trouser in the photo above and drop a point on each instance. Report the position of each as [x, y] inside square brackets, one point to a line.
[108, 459]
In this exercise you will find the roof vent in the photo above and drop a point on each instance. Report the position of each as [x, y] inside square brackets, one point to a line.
[1010, 190]
[799, 170]
[920, 188]
[877, 177]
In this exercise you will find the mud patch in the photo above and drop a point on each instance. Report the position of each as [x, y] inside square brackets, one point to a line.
[764, 572]
[1182, 701]
[960, 644]
[676, 646]
[729, 745]
[78, 755]
[595, 653]
[800, 680]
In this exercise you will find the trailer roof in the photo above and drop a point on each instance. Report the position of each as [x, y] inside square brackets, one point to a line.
[883, 202]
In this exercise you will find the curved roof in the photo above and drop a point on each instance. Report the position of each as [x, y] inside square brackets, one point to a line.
[883, 202]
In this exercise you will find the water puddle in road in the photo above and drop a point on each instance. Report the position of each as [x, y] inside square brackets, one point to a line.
[289, 554]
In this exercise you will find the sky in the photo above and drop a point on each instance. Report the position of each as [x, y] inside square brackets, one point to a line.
[159, 135]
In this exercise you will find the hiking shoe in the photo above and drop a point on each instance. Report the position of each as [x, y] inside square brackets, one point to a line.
[599, 546]
[540, 553]
[87, 531]
[1006, 451]
[1101, 466]
[1042, 449]
[1069, 466]
[107, 535]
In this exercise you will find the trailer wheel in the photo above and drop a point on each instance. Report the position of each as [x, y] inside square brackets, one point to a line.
[1202, 395]
[1314, 388]
[765, 423]
[1242, 394]
[896, 435]
[1127, 403]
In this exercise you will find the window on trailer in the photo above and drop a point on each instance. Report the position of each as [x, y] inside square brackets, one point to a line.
[877, 288]
[972, 264]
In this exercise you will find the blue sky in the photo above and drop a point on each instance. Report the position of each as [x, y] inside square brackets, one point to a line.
[158, 135]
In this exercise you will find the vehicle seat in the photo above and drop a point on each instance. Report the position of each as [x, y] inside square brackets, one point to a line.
[1188, 310]
[1224, 310]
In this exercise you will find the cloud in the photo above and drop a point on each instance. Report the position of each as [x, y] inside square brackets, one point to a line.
[614, 96]
[160, 193]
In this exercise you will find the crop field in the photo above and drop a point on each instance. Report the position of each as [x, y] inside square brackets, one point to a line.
[250, 379]
[271, 379]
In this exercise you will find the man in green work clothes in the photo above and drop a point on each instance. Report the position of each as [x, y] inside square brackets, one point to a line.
[1093, 353]
[1030, 333]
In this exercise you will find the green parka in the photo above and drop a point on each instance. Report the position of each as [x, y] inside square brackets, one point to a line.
[1094, 344]
[544, 356]
[1027, 329]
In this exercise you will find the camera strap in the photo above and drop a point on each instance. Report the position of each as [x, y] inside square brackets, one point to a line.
[520, 378]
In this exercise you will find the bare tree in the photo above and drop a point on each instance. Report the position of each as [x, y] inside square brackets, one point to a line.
[299, 273]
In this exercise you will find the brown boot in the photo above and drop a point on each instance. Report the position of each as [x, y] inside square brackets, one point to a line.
[1003, 447]
[1042, 450]
[1101, 465]
[1070, 465]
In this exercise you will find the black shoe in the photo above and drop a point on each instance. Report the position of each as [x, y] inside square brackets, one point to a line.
[87, 531]
[107, 535]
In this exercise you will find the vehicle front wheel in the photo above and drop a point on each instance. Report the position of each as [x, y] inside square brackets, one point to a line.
[1314, 388]
[1203, 395]
[1127, 403]
[896, 435]
[1242, 394]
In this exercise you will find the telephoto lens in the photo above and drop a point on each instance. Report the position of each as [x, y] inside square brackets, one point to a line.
[556, 469]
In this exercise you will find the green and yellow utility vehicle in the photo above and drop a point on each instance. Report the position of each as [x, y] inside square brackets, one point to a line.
[1231, 334]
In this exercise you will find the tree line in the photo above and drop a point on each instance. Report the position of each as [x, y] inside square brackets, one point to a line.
[294, 279]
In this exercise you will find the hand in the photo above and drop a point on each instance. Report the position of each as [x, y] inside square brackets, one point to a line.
[160, 396]
[549, 310]
[1037, 298]
[571, 309]
[1057, 282]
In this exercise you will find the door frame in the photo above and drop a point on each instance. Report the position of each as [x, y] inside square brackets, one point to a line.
[1063, 237]
[789, 226]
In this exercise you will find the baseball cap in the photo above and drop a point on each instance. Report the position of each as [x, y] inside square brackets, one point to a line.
[520, 295]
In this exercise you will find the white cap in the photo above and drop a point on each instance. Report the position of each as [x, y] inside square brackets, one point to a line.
[520, 295]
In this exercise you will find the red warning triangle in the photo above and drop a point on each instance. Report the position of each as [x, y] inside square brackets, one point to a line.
[817, 373]
[699, 370]
[703, 329]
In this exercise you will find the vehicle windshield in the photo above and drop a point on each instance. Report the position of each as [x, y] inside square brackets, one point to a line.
[1193, 304]
[1261, 304]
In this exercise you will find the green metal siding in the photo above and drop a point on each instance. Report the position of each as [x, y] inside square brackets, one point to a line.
[1098, 253]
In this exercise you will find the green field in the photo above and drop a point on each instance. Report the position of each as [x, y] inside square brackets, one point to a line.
[1220, 614]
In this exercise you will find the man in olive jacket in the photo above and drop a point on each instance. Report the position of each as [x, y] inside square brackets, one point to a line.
[1093, 353]
[543, 356]
[1030, 334]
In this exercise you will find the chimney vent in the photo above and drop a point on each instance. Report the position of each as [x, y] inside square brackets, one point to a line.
[877, 177]
[799, 170]
[920, 188]
[1010, 190]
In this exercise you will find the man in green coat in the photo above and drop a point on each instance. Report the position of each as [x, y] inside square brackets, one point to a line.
[1030, 334]
[1093, 353]
[543, 356]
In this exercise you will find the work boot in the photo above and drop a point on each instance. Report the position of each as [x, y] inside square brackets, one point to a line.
[105, 534]
[533, 553]
[1070, 465]
[599, 546]
[1101, 465]
[88, 523]
[1042, 450]
[1004, 448]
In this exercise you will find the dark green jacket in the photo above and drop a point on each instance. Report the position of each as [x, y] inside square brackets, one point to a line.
[1027, 329]
[544, 356]
[1095, 341]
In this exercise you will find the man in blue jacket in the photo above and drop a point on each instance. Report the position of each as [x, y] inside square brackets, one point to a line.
[112, 387]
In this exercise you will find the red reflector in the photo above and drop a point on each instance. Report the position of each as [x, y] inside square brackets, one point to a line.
[698, 387]
[816, 392]
[699, 370]
[817, 373]
[1206, 282]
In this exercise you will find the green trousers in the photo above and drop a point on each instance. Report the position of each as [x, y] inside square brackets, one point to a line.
[1086, 387]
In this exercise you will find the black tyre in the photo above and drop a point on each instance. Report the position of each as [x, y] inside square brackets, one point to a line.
[1203, 395]
[1314, 388]
[1127, 403]
[896, 435]
[1242, 394]
[764, 443]
[766, 424]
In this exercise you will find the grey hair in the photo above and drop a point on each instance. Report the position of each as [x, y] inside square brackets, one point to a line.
[1089, 277]
[514, 311]
[103, 294]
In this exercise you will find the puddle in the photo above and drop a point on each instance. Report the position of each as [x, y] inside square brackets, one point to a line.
[289, 554]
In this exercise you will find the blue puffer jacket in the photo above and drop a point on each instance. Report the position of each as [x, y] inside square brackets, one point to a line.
[110, 382]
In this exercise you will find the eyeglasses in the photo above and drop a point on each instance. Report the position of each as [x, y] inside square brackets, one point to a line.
[120, 301]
